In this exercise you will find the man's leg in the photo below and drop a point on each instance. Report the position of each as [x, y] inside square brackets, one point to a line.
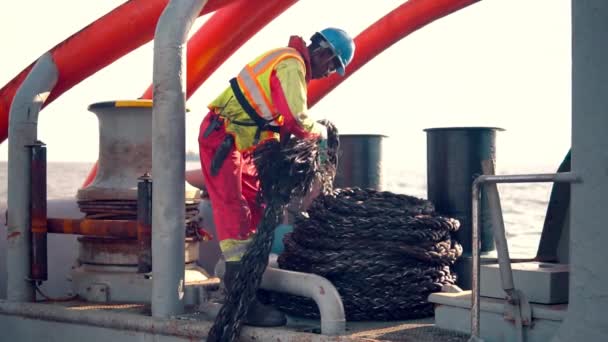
[251, 186]
[233, 218]
[231, 212]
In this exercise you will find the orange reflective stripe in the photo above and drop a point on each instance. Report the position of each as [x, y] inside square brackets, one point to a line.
[287, 55]
[245, 89]
[269, 105]
[252, 89]
[249, 82]
[265, 61]
[269, 108]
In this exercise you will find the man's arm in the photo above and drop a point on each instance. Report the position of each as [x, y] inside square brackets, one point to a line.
[289, 95]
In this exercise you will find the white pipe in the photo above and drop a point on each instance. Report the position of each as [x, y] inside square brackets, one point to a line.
[321, 290]
[168, 155]
[23, 130]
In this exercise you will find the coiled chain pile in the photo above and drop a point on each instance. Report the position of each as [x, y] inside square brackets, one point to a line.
[384, 253]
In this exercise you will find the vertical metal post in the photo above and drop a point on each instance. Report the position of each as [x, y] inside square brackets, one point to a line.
[144, 224]
[169, 155]
[586, 319]
[475, 249]
[498, 227]
[39, 264]
[361, 161]
[454, 157]
[23, 125]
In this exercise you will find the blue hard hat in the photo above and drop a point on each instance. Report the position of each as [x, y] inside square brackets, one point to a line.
[341, 44]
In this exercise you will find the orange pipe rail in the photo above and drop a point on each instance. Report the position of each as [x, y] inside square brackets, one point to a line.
[124, 229]
[391, 28]
[110, 37]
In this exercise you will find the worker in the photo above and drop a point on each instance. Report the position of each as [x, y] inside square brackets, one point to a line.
[267, 100]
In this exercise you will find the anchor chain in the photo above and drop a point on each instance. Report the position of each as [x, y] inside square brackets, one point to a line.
[285, 172]
[384, 253]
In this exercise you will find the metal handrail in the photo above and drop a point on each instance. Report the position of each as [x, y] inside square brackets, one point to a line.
[499, 236]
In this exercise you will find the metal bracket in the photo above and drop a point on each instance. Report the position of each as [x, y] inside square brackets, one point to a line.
[518, 306]
[519, 311]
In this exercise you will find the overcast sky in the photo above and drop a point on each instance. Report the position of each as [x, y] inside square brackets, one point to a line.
[502, 63]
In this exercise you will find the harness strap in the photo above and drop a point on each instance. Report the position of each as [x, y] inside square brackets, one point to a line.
[263, 124]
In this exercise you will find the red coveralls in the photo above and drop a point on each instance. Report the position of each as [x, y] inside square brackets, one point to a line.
[233, 191]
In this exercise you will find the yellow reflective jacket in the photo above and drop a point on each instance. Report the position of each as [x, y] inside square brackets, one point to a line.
[254, 83]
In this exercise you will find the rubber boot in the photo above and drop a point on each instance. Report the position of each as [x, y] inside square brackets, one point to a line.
[258, 315]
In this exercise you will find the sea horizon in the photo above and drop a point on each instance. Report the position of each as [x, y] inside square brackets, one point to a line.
[524, 205]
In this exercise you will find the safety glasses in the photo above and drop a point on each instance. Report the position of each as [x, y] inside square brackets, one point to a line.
[331, 60]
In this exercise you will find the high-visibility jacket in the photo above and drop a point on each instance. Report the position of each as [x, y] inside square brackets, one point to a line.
[254, 86]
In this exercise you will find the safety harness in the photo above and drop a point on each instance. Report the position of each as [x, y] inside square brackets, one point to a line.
[253, 97]
[261, 123]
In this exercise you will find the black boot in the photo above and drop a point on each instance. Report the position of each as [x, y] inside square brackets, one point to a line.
[258, 315]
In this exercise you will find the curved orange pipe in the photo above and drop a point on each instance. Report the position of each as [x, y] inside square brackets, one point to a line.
[397, 24]
[122, 30]
[217, 40]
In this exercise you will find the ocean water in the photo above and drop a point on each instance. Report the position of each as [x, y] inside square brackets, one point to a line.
[524, 205]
